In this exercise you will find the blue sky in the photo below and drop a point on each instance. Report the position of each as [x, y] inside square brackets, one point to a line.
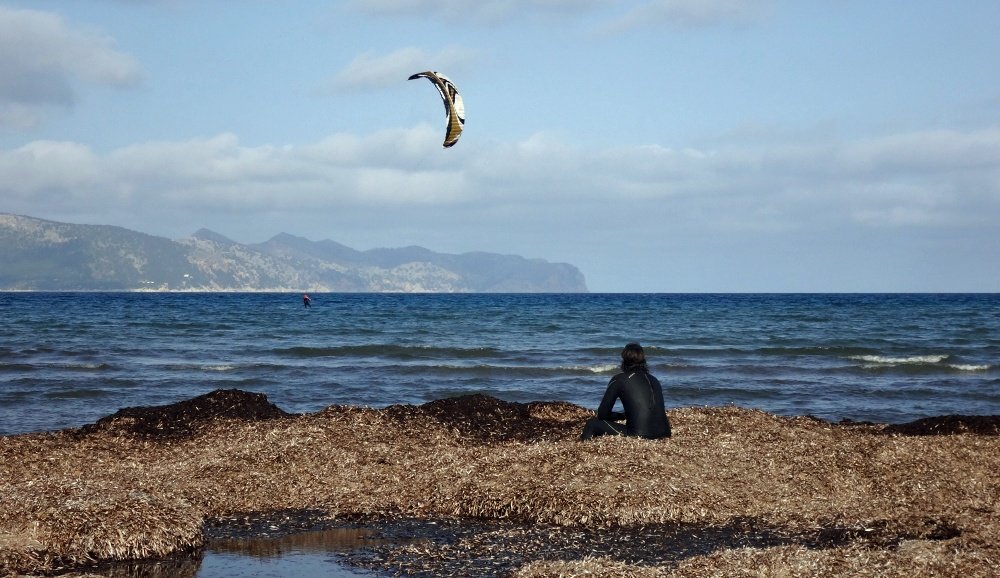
[658, 145]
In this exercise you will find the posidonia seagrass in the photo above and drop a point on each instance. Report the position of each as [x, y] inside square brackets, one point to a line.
[119, 491]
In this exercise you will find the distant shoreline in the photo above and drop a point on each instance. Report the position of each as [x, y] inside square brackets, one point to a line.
[50, 255]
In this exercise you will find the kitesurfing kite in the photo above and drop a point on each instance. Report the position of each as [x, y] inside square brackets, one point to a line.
[454, 109]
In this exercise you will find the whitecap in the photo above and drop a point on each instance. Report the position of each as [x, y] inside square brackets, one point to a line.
[219, 367]
[970, 367]
[78, 366]
[914, 359]
[602, 368]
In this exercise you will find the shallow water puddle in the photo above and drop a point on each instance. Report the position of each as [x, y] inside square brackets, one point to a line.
[304, 555]
[298, 565]
[311, 554]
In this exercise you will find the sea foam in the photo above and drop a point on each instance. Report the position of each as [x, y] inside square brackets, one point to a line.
[914, 359]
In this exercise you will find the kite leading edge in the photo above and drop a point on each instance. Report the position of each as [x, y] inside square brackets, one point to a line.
[454, 109]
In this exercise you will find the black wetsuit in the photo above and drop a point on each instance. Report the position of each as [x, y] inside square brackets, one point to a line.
[642, 399]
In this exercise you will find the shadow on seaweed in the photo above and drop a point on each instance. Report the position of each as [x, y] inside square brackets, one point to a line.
[476, 548]
[488, 549]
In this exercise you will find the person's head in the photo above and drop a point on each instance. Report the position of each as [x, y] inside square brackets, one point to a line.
[633, 358]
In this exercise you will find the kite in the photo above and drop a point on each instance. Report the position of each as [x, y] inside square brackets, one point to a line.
[454, 109]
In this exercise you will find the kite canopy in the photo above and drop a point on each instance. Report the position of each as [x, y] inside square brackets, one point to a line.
[454, 109]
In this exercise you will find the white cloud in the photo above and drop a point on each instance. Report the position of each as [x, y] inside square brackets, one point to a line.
[48, 171]
[482, 11]
[928, 151]
[44, 58]
[373, 71]
[925, 179]
[19, 116]
[622, 16]
[689, 13]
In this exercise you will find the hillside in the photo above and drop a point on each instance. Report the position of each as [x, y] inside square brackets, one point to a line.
[40, 255]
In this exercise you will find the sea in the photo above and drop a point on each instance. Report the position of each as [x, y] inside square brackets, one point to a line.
[68, 359]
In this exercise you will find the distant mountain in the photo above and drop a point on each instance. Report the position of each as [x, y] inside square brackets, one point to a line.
[48, 256]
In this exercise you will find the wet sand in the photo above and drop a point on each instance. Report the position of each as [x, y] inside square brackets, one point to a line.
[475, 486]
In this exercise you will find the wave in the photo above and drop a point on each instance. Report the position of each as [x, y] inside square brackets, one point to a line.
[722, 350]
[253, 368]
[23, 367]
[486, 369]
[77, 393]
[17, 367]
[603, 368]
[914, 359]
[815, 350]
[222, 367]
[917, 362]
[723, 393]
[970, 367]
[81, 366]
[390, 351]
[199, 367]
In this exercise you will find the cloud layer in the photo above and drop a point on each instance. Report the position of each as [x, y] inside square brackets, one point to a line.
[937, 178]
[622, 15]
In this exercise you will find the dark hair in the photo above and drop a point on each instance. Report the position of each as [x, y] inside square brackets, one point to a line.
[633, 358]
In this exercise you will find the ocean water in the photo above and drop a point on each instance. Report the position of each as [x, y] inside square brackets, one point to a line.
[68, 359]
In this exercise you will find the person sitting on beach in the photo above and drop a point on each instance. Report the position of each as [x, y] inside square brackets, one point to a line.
[642, 399]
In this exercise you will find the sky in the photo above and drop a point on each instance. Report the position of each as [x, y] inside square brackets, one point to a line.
[657, 145]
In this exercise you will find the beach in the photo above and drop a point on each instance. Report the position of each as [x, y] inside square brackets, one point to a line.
[735, 491]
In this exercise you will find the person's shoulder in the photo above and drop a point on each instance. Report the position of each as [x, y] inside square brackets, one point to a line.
[652, 378]
[643, 374]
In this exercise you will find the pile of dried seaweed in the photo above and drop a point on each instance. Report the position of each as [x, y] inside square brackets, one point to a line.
[872, 501]
[183, 418]
[486, 419]
[987, 425]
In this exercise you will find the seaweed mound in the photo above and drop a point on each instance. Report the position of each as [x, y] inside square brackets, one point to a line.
[735, 492]
[985, 425]
[477, 418]
[182, 419]
[486, 419]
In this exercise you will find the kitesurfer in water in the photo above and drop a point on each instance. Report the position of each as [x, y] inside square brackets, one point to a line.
[306, 301]
[641, 397]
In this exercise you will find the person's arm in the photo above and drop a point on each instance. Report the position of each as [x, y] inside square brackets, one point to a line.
[608, 403]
